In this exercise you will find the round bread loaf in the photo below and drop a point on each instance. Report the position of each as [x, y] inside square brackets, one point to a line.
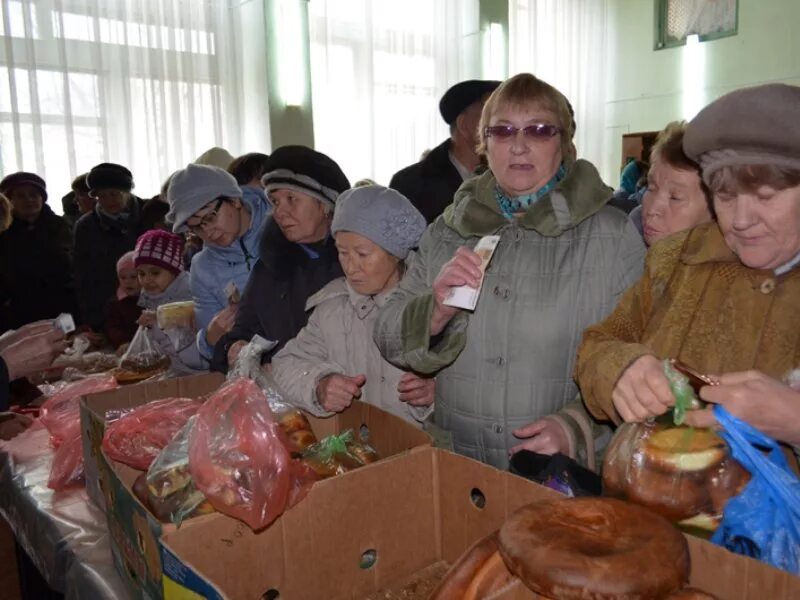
[594, 548]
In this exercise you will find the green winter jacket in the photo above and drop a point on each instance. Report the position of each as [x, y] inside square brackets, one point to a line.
[558, 268]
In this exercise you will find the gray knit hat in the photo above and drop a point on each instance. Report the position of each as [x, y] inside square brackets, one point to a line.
[190, 189]
[752, 126]
[382, 215]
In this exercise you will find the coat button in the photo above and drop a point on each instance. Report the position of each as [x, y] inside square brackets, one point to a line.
[500, 361]
[767, 286]
[496, 291]
[383, 379]
[497, 428]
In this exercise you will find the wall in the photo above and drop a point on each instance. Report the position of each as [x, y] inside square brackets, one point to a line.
[648, 88]
[268, 121]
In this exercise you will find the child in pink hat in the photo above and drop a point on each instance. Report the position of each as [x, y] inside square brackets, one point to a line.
[158, 258]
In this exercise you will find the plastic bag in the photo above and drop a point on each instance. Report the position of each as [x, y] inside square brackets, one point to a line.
[237, 457]
[294, 423]
[684, 474]
[81, 363]
[137, 438]
[763, 521]
[337, 454]
[67, 468]
[169, 491]
[61, 411]
[60, 414]
[142, 359]
[177, 321]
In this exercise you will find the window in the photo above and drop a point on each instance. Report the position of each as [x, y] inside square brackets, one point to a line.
[708, 19]
[143, 83]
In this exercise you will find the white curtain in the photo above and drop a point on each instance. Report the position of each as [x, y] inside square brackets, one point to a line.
[378, 69]
[564, 43]
[149, 84]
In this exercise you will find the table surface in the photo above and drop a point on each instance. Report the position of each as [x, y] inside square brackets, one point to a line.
[64, 534]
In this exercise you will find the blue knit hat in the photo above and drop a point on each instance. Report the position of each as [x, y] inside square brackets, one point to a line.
[382, 215]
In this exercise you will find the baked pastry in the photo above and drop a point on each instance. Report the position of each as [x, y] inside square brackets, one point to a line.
[599, 548]
[176, 315]
[684, 474]
[479, 573]
[683, 449]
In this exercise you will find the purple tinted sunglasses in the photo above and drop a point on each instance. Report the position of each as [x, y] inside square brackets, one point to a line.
[537, 131]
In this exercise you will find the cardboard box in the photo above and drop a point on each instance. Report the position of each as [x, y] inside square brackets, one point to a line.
[135, 532]
[94, 406]
[411, 513]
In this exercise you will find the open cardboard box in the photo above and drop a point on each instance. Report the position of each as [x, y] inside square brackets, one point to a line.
[135, 532]
[409, 514]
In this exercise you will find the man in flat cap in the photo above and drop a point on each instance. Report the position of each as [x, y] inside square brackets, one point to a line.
[431, 183]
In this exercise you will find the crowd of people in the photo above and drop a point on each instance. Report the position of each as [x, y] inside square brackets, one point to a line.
[580, 303]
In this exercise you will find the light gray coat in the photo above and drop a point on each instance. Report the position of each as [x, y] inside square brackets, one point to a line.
[558, 268]
[338, 339]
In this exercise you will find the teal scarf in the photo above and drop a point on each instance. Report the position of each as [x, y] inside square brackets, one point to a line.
[511, 206]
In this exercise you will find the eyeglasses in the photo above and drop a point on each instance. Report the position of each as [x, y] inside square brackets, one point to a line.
[207, 219]
[536, 132]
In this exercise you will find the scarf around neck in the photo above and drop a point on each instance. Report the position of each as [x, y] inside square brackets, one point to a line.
[512, 205]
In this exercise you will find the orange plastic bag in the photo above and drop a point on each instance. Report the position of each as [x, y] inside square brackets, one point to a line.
[61, 417]
[138, 437]
[238, 456]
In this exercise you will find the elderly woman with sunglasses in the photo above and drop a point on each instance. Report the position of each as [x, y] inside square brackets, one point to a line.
[207, 201]
[562, 261]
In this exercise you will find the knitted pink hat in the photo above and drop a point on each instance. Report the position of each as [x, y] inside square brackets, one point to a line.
[160, 248]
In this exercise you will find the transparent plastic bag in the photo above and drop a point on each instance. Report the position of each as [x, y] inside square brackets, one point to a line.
[237, 457]
[684, 474]
[337, 454]
[299, 435]
[142, 359]
[177, 321]
[170, 493]
[60, 415]
[137, 438]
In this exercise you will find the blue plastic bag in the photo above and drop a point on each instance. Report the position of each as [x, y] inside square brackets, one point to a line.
[763, 521]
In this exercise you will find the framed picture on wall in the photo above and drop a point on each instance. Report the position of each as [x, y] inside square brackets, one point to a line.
[708, 19]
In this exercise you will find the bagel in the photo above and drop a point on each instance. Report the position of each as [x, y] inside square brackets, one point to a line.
[598, 548]
[480, 573]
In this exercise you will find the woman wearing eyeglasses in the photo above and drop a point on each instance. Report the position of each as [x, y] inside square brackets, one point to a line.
[208, 202]
[298, 253]
[562, 262]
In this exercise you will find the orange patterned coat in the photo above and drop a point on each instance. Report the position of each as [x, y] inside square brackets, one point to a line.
[696, 302]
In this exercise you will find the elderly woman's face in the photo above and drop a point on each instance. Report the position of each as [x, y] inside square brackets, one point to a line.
[302, 218]
[761, 228]
[27, 202]
[523, 163]
[674, 201]
[369, 269]
[112, 202]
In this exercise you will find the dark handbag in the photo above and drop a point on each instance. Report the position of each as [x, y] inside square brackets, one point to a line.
[558, 472]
